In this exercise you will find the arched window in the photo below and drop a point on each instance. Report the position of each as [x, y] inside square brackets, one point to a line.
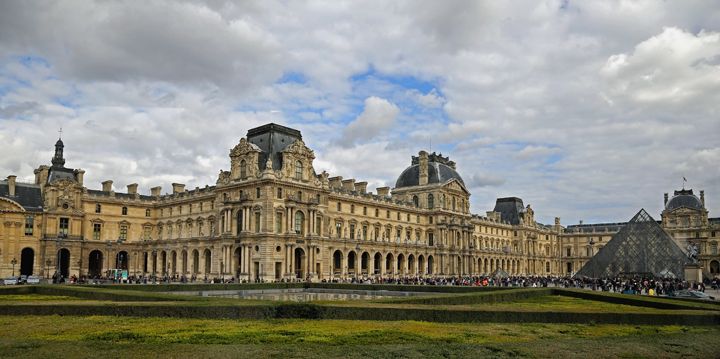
[431, 201]
[243, 169]
[416, 201]
[124, 211]
[299, 223]
[298, 170]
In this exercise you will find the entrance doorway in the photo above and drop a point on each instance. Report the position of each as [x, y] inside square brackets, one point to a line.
[27, 261]
[63, 261]
[299, 260]
[95, 263]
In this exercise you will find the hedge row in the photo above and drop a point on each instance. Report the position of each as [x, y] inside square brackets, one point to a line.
[103, 294]
[634, 300]
[314, 311]
[478, 298]
[406, 288]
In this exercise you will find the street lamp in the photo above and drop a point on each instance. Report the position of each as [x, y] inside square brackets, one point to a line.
[13, 262]
[47, 268]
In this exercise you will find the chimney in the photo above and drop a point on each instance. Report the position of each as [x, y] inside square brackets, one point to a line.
[423, 159]
[383, 191]
[361, 187]
[581, 222]
[155, 191]
[348, 184]
[666, 199]
[132, 188]
[11, 185]
[557, 221]
[79, 176]
[107, 186]
[702, 197]
[335, 182]
[178, 187]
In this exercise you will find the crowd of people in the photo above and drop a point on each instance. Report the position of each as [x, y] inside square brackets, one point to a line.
[627, 285]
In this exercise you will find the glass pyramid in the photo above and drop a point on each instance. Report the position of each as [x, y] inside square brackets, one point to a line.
[641, 247]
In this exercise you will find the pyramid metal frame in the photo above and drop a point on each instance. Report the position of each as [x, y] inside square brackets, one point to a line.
[641, 247]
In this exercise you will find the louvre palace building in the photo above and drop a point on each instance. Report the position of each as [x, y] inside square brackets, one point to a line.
[272, 217]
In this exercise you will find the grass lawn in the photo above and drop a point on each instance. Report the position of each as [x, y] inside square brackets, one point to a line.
[75, 336]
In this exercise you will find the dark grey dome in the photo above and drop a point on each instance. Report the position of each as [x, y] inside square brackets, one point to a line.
[684, 198]
[437, 173]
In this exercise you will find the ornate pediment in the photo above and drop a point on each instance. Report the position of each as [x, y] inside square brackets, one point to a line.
[456, 185]
[244, 147]
[223, 177]
[10, 205]
[299, 150]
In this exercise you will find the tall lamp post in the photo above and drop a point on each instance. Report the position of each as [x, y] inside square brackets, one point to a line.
[590, 252]
[47, 268]
[13, 262]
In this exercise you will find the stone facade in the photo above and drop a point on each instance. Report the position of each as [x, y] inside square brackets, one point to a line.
[270, 217]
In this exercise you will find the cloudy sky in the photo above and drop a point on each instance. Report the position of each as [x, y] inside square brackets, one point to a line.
[586, 110]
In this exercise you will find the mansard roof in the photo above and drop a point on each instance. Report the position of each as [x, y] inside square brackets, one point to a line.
[272, 139]
[26, 194]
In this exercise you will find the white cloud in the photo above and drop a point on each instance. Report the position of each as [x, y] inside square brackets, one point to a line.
[622, 96]
[377, 116]
[674, 66]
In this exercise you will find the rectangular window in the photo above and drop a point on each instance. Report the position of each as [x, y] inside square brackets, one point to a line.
[279, 192]
[569, 251]
[339, 208]
[257, 222]
[98, 208]
[352, 231]
[201, 205]
[278, 222]
[430, 219]
[364, 231]
[364, 211]
[431, 239]
[64, 226]
[97, 227]
[123, 232]
[257, 192]
[377, 212]
[29, 223]
[387, 214]
[147, 213]
[338, 228]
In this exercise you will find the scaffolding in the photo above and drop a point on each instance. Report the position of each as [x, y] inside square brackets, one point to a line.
[642, 247]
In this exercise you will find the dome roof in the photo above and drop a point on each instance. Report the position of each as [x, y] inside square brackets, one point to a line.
[684, 198]
[437, 173]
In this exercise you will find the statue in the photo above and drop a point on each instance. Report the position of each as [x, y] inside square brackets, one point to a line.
[692, 252]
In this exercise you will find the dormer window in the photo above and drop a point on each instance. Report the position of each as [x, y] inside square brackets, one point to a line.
[298, 170]
[243, 169]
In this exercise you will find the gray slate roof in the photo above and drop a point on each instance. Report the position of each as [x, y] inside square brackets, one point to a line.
[26, 194]
[437, 173]
[510, 209]
[684, 198]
